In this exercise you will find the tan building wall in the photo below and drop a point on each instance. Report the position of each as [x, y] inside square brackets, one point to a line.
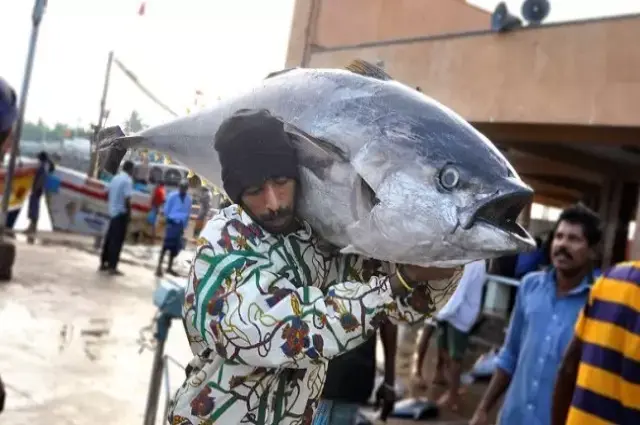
[586, 73]
[333, 23]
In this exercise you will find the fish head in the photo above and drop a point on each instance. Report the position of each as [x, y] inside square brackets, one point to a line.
[436, 192]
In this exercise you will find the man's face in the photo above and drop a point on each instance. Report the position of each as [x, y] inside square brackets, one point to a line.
[272, 204]
[570, 250]
[183, 189]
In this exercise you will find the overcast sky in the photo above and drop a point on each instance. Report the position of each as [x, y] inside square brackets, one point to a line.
[178, 47]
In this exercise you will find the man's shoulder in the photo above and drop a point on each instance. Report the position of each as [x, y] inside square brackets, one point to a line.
[620, 283]
[232, 229]
[121, 179]
[534, 281]
[627, 272]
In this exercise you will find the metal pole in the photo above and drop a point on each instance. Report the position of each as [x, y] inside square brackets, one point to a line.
[103, 102]
[36, 18]
[157, 367]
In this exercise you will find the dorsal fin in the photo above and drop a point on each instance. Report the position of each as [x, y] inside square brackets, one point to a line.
[282, 71]
[362, 67]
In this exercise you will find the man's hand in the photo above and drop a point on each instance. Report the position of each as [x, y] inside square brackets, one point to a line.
[422, 274]
[480, 417]
[385, 399]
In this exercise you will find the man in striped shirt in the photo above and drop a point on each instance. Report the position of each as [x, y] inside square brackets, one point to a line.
[599, 380]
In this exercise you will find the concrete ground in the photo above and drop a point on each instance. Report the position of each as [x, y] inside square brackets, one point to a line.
[70, 338]
[69, 350]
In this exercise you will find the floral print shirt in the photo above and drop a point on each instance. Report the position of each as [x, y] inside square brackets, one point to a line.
[264, 313]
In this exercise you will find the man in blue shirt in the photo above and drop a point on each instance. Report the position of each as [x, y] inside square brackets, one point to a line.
[542, 323]
[120, 192]
[177, 210]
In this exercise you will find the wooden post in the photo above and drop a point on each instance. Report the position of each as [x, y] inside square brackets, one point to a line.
[310, 32]
[612, 223]
[93, 162]
[635, 243]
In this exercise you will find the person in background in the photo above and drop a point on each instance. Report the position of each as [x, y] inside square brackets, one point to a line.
[546, 309]
[455, 320]
[204, 201]
[119, 196]
[599, 378]
[528, 262]
[453, 324]
[158, 197]
[8, 117]
[351, 377]
[177, 211]
[37, 189]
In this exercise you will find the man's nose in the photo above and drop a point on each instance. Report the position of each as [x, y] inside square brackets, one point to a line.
[270, 198]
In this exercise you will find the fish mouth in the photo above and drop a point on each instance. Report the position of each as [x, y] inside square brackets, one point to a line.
[502, 210]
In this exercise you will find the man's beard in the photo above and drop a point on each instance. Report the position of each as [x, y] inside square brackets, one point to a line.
[280, 221]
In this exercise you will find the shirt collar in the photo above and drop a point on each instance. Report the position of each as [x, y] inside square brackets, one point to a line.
[584, 285]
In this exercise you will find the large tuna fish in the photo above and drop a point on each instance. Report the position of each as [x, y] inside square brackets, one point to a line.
[386, 171]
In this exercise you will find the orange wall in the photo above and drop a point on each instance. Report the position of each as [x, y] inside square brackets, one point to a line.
[340, 22]
[357, 21]
[586, 73]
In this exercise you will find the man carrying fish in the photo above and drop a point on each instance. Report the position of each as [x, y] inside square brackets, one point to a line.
[267, 302]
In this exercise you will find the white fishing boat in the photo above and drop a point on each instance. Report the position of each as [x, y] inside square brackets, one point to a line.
[78, 204]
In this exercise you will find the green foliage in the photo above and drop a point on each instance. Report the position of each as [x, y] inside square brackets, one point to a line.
[134, 123]
[40, 131]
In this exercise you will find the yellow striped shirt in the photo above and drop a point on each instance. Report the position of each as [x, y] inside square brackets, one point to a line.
[608, 385]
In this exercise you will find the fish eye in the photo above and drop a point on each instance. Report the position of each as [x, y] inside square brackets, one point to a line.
[449, 177]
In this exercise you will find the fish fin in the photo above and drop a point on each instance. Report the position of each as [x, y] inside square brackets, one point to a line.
[280, 72]
[108, 135]
[313, 147]
[362, 67]
[113, 146]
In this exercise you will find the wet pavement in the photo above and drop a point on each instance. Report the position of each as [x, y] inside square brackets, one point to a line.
[70, 337]
[69, 350]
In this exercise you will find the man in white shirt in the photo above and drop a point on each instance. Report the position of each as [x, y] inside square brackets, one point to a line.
[120, 192]
[454, 321]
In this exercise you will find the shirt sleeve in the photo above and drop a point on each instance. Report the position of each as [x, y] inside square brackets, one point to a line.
[168, 206]
[128, 188]
[508, 356]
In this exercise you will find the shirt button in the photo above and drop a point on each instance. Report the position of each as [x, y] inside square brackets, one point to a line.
[555, 317]
[530, 406]
[535, 383]
[548, 338]
[540, 360]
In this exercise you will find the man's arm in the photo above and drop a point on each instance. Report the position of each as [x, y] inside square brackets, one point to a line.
[566, 382]
[128, 193]
[568, 371]
[508, 356]
[168, 207]
[389, 337]
[386, 395]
